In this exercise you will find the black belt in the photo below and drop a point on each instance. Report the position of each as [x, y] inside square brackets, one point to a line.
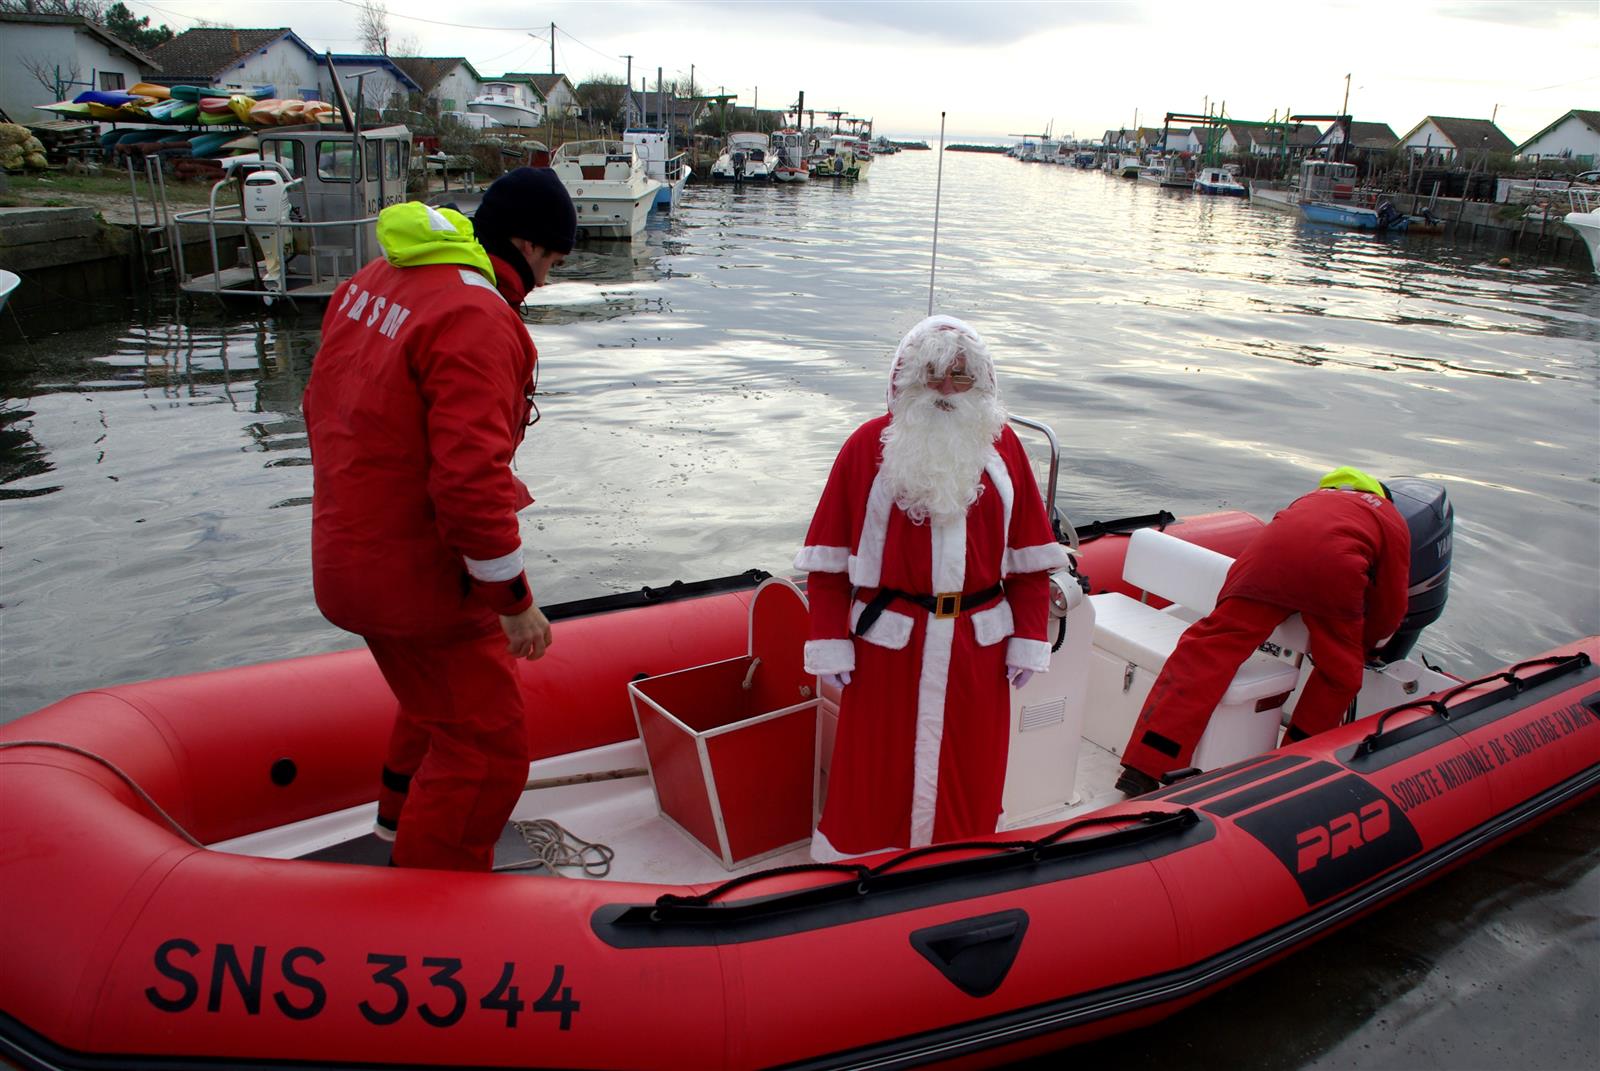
[944, 604]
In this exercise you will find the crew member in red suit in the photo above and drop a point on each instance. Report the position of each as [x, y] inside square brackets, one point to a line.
[1340, 557]
[418, 400]
[929, 557]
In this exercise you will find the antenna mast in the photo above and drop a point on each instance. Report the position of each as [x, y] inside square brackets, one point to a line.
[938, 190]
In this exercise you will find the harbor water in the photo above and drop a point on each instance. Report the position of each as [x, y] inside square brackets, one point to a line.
[1191, 354]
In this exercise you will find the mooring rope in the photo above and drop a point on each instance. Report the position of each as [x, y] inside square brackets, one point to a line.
[114, 768]
[555, 846]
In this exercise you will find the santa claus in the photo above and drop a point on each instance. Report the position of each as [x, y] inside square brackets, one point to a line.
[929, 557]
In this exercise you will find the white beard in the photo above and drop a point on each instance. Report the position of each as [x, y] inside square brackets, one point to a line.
[935, 448]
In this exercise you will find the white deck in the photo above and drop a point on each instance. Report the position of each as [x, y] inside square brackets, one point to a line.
[622, 814]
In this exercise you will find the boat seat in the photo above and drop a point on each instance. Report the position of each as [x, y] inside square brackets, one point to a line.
[1133, 640]
[618, 172]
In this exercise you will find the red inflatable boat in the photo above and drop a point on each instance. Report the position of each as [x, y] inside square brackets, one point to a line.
[182, 860]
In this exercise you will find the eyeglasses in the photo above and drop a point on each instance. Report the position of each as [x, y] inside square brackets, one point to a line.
[958, 380]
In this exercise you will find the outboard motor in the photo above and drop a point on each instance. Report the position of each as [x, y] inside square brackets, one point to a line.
[1388, 216]
[1426, 508]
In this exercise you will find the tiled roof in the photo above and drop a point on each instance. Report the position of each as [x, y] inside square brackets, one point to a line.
[429, 71]
[209, 51]
[146, 61]
[1465, 134]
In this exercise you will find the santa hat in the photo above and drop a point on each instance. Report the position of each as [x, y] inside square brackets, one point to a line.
[938, 341]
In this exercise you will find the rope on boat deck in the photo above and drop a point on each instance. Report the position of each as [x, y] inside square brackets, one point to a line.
[556, 846]
[114, 768]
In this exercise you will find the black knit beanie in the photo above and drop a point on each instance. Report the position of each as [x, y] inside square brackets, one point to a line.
[529, 203]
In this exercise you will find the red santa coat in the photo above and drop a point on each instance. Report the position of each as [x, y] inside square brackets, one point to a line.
[418, 399]
[920, 754]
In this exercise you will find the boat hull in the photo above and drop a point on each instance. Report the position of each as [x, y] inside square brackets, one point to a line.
[1587, 224]
[1214, 190]
[126, 946]
[1351, 216]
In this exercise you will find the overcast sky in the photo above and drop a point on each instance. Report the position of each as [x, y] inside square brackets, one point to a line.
[1000, 68]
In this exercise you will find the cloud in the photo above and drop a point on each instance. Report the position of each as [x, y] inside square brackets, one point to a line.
[1526, 14]
[952, 22]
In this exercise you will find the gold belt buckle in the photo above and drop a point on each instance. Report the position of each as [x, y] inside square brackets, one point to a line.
[947, 604]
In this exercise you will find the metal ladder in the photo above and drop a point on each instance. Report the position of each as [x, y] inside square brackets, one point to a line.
[156, 237]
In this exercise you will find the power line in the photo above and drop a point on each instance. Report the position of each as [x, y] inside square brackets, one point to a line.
[435, 22]
[591, 48]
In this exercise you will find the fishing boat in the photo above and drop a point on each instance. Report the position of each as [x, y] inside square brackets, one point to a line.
[654, 148]
[788, 148]
[609, 187]
[1218, 182]
[192, 881]
[745, 158]
[1383, 217]
[1128, 165]
[307, 217]
[512, 104]
[1585, 219]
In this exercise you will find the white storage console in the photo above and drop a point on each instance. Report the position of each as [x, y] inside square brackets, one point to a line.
[1133, 640]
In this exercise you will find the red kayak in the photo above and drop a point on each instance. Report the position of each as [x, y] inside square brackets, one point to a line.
[190, 881]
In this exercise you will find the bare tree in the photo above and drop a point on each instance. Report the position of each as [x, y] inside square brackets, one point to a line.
[372, 26]
[93, 10]
[57, 80]
[602, 97]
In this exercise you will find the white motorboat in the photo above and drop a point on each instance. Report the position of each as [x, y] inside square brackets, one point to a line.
[745, 159]
[1584, 218]
[609, 186]
[8, 283]
[654, 147]
[1154, 171]
[1128, 165]
[788, 148]
[509, 104]
[1219, 182]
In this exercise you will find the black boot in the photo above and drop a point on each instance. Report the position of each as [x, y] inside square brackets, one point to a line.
[1136, 782]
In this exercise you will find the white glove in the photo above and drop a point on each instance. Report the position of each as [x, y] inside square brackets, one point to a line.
[1018, 676]
[837, 680]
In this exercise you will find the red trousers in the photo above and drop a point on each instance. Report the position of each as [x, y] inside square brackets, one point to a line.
[458, 754]
[1202, 666]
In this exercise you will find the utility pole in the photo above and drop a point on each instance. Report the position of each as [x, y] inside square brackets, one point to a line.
[552, 48]
[1344, 109]
[628, 100]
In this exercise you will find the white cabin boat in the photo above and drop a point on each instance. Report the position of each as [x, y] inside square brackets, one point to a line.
[654, 147]
[609, 186]
[509, 104]
[788, 150]
[1219, 182]
[744, 159]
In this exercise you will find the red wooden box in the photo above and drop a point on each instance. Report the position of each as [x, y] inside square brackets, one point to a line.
[732, 746]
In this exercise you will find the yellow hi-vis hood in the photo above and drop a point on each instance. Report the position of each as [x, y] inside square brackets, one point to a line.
[1346, 478]
[413, 234]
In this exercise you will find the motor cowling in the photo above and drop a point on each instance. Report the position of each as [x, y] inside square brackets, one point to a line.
[1428, 514]
[266, 197]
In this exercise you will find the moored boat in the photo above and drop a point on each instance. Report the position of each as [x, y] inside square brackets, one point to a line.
[745, 158]
[1384, 217]
[609, 187]
[788, 148]
[1218, 182]
[1585, 219]
[654, 147]
[9, 281]
[191, 894]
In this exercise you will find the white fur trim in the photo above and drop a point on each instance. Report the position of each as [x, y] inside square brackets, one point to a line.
[892, 630]
[822, 851]
[1044, 558]
[933, 684]
[830, 656]
[495, 570]
[991, 626]
[1028, 654]
[1000, 476]
[822, 559]
[866, 565]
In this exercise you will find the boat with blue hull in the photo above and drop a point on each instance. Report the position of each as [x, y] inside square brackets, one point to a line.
[1385, 217]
